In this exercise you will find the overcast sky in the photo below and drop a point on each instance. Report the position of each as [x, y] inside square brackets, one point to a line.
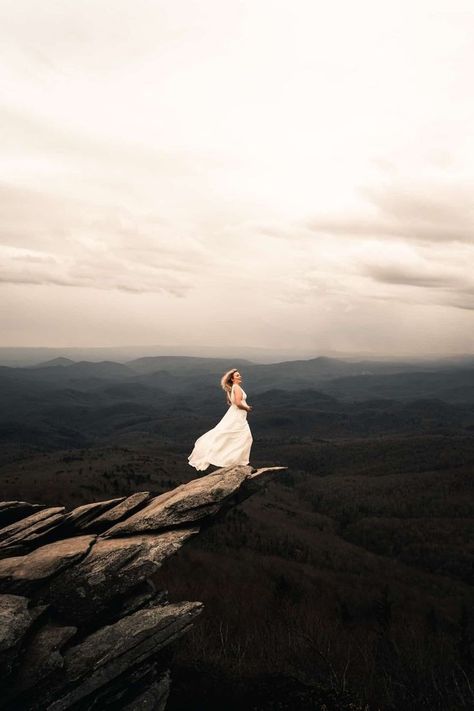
[221, 172]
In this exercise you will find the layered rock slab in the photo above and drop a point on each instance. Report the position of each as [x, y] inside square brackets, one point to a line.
[12, 511]
[30, 530]
[192, 502]
[25, 572]
[105, 577]
[81, 623]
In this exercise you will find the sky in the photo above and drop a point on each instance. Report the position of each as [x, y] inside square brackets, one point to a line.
[292, 175]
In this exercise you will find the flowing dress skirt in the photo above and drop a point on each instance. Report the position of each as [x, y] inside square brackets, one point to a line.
[227, 444]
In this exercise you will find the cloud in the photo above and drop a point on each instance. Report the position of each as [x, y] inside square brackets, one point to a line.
[340, 271]
[24, 267]
[433, 211]
[144, 183]
[443, 286]
[51, 240]
[409, 277]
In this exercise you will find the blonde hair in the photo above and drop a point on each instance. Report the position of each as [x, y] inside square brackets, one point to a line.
[226, 383]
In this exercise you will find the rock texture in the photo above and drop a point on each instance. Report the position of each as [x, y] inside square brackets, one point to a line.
[81, 624]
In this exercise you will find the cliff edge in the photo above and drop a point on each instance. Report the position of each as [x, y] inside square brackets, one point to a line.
[81, 624]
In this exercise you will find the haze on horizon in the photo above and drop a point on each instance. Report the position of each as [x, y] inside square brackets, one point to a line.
[294, 177]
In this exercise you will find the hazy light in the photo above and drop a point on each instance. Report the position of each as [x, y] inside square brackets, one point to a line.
[289, 175]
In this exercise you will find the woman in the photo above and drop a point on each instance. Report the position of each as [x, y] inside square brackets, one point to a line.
[229, 442]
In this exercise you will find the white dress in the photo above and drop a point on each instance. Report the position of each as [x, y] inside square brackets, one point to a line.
[228, 443]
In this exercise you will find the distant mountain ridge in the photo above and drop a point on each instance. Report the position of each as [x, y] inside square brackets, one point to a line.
[29, 355]
[152, 364]
[73, 404]
[105, 369]
[337, 378]
[54, 362]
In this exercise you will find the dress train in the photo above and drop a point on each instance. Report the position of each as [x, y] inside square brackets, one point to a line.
[228, 443]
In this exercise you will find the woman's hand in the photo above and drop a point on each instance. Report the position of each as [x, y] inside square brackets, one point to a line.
[249, 408]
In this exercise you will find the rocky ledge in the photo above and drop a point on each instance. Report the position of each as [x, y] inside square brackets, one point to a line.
[81, 623]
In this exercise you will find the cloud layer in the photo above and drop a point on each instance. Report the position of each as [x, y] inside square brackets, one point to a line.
[193, 173]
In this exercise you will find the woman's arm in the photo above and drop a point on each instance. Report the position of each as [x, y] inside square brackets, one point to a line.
[238, 398]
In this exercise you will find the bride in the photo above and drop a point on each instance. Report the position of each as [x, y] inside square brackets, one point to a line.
[229, 442]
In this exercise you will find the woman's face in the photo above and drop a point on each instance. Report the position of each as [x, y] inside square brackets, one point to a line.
[237, 378]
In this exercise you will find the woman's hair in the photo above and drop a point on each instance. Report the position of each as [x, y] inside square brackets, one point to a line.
[226, 383]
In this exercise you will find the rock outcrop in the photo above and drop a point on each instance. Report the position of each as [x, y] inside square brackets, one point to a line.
[81, 623]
